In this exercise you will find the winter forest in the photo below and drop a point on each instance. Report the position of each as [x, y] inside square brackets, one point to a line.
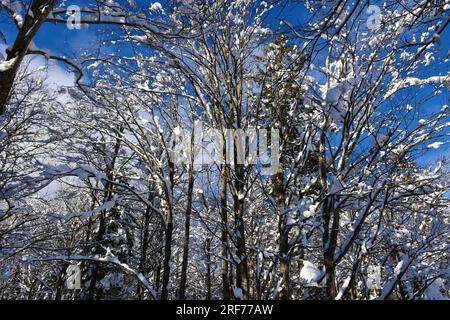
[224, 149]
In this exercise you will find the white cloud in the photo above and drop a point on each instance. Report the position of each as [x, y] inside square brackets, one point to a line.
[56, 75]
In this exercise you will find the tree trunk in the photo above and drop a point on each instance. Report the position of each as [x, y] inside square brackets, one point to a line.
[187, 224]
[40, 9]
[95, 293]
[330, 242]
[283, 230]
[187, 221]
[144, 244]
[167, 256]
[208, 268]
[242, 280]
[168, 235]
[224, 233]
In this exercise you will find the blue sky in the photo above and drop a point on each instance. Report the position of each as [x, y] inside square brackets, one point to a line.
[72, 43]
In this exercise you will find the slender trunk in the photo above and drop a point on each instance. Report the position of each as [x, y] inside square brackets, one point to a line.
[284, 294]
[208, 268]
[224, 233]
[242, 280]
[144, 244]
[167, 256]
[187, 225]
[95, 274]
[60, 286]
[330, 290]
[242, 277]
[94, 292]
[187, 220]
[330, 243]
[168, 235]
[283, 230]
[158, 267]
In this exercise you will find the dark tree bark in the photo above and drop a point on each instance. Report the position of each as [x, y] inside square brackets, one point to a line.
[242, 276]
[167, 256]
[329, 215]
[187, 222]
[208, 268]
[144, 243]
[283, 230]
[94, 292]
[330, 242]
[168, 235]
[224, 232]
[40, 10]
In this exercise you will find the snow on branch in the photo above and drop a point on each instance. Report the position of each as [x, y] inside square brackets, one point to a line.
[106, 259]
